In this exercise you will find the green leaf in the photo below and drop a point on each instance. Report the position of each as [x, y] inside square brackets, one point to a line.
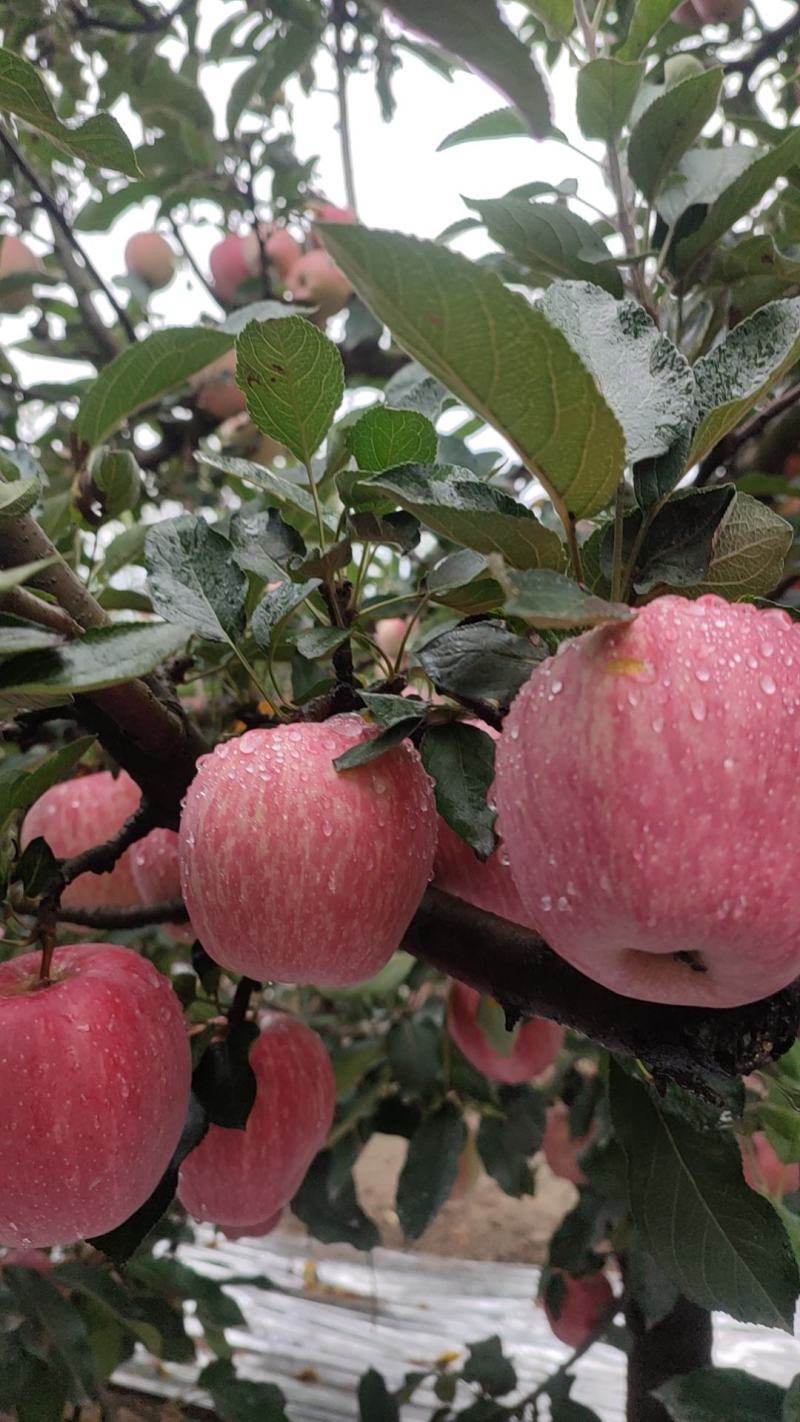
[126, 548]
[488, 1366]
[143, 373]
[477, 34]
[644, 378]
[240, 1400]
[21, 785]
[64, 1332]
[550, 241]
[412, 388]
[104, 656]
[754, 258]
[749, 553]
[552, 600]
[19, 496]
[290, 495]
[276, 607]
[679, 543]
[388, 710]
[731, 1250]
[738, 198]
[398, 530]
[373, 749]
[500, 123]
[193, 579]
[375, 1402]
[647, 19]
[500, 355]
[383, 438]
[460, 580]
[460, 758]
[414, 1048]
[669, 126]
[430, 1169]
[285, 54]
[453, 503]
[333, 1216]
[224, 1081]
[606, 91]
[558, 15]
[480, 661]
[18, 635]
[321, 641]
[742, 369]
[507, 1140]
[791, 1402]
[37, 869]
[655, 1294]
[713, 1393]
[263, 543]
[97, 140]
[96, 1283]
[293, 378]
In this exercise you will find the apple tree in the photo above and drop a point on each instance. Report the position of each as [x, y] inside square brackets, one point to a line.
[400, 681]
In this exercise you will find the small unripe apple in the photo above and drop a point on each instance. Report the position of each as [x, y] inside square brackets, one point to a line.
[229, 266]
[283, 252]
[764, 1170]
[560, 1147]
[294, 871]
[16, 257]
[328, 212]
[93, 1095]
[587, 1299]
[637, 786]
[157, 877]
[317, 281]
[78, 814]
[240, 1179]
[217, 391]
[149, 257]
[531, 1049]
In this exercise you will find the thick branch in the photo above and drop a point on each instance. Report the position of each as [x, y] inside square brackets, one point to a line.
[515, 966]
[137, 916]
[23, 603]
[679, 1343]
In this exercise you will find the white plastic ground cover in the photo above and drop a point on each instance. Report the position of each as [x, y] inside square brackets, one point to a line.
[398, 1313]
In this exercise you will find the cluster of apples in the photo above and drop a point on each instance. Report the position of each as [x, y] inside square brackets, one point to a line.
[637, 788]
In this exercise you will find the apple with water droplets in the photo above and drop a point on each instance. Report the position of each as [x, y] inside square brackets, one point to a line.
[241, 1179]
[640, 797]
[157, 875]
[78, 814]
[94, 1088]
[528, 1051]
[292, 870]
[586, 1302]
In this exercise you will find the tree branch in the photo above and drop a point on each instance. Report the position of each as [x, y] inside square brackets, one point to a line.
[339, 15]
[148, 25]
[515, 966]
[102, 858]
[62, 227]
[766, 47]
[137, 916]
[727, 447]
[195, 268]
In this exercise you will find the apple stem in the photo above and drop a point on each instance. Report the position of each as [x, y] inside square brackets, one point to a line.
[46, 963]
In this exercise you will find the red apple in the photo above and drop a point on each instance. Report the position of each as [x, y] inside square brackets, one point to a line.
[243, 1178]
[78, 814]
[217, 391]
[283, 252]
[34, 1259]
[94, 1090]
[586, 1300]
[15, 257]
[328, 212]
[156, 874]
[317, 281]
[560, 1147]
[719, 12]
[149, 257]
[229, 266]
[764, 1170]
[531, 1051]
[390, 634]
[686, 14]
[296, 872]
[252, 1231]
[637, 786]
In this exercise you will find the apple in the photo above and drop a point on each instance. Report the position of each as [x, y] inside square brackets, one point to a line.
[637, 785]
[34, 1259]
[240, 1179]
[317, 281]
[560, 1148]
[328, 212]
[531, 1049]
[389, 634]
[719, 12]
[78, 814]
[294, 871]
[686, 14]
[16, 257]
[252, 1231]
[93, 1093]
[149, 257]
[587, 1299]
[283, 252]
[229, 266]
[217, 391]
[156, 875]
[764, 1170]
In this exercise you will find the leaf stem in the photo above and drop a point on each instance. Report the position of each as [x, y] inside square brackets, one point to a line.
[619, 529]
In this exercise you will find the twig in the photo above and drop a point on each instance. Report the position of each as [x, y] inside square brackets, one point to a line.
[241, 1000]
[190, 261]
[59, 222]
[766, 47]
[606, 1318]
[22, 603]
[515, 966]
[148, 24]
[137, 916]
[339, 15]
[728, 446]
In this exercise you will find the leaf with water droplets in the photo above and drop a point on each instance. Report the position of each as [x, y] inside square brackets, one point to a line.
[460, 758]
[194, 579]
[749, 555]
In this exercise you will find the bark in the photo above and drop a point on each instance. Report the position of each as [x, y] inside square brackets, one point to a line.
[677, 1344]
